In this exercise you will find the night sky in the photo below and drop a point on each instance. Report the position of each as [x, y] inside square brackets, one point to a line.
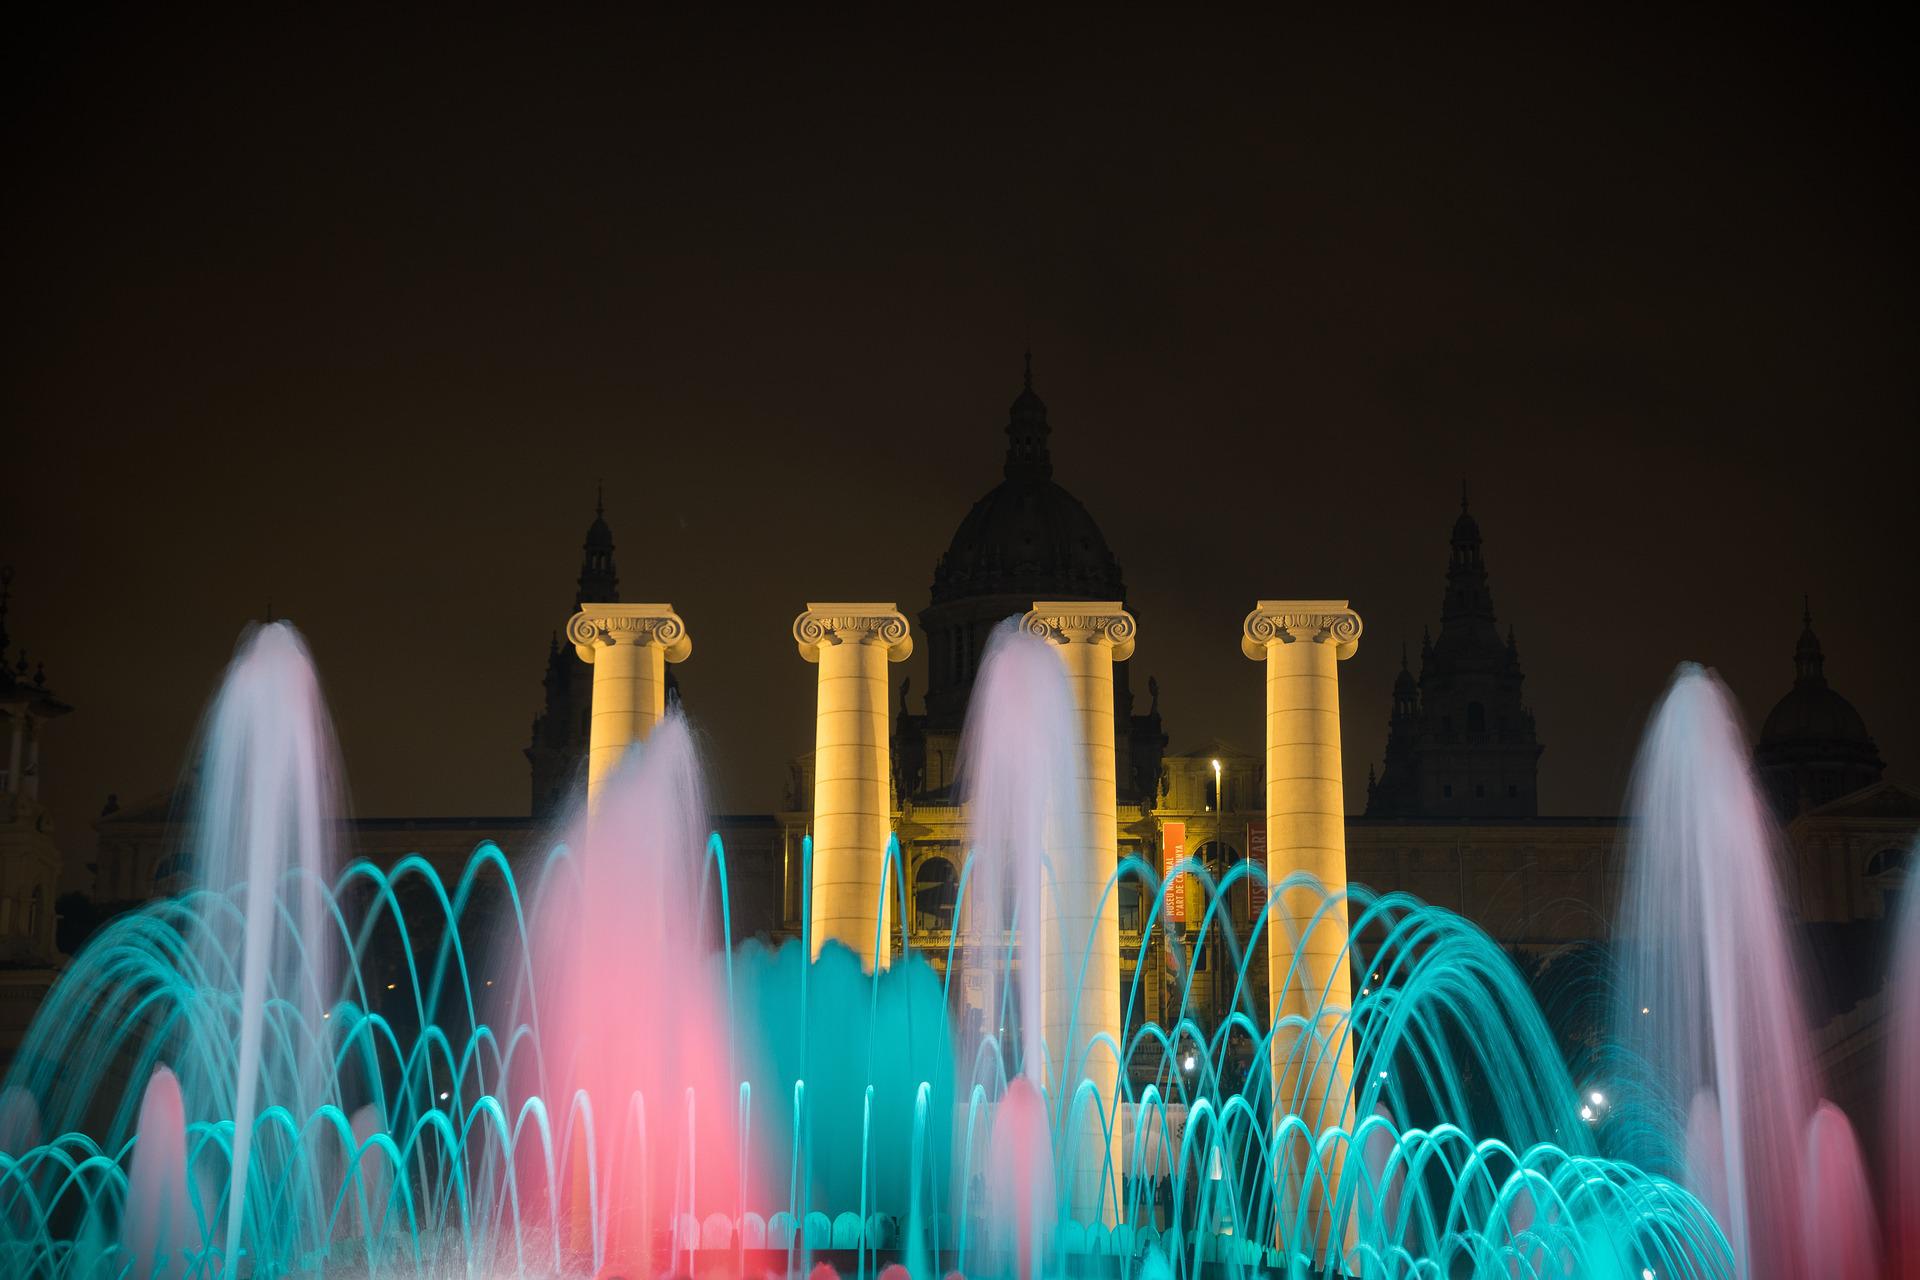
[347, 314]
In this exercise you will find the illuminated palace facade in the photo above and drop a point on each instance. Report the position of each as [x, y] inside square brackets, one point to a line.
[1452, 813]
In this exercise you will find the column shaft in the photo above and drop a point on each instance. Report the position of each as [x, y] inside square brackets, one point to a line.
[1307, 964]
[629, 697]
[628, 646]
[852, 775]
[1306, 826]
[1081, 988]
[852, 817]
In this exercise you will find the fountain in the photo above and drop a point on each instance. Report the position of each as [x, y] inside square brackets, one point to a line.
[1903, 1088]
[297, 1067]
[1710, 1026]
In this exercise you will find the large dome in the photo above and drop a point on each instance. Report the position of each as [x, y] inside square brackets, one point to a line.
[1814, 747]
[1028, 536]
[1812, 711]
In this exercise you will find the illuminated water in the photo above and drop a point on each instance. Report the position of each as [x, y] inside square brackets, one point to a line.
[569, 1067]
[1711, 1017]
[1903, 1086]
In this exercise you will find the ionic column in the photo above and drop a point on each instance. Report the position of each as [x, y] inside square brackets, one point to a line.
[1307, 973]
[852, 771]
[629, 646]
[1090, 638]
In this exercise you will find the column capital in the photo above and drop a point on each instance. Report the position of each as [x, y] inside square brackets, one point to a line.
[1293, 621]
[870, 623]
[1082, 622]
[599, 626]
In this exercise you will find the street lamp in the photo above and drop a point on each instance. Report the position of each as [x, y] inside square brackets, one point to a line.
[1226, 917]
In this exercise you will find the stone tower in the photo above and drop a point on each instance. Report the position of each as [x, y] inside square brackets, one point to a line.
[1460, 739]
[560, 730]
[30, 862]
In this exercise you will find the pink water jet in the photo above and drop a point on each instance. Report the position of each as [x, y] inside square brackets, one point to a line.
[1903, 1086]
[1016, 780]
[264, 829]
[157, 1230]
[1020, 1176]
[1386, 1180]
[365, 1213]
[19, 1120]
[634, 1017]
[1706, 951]
[1843, 1240]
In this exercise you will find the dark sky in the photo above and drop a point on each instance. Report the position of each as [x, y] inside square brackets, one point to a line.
[348, 312]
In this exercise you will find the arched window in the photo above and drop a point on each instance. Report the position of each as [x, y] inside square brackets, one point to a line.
[1219, 858]
[1476, 718]
[33, 913]
[1888, 862]
[934, 887]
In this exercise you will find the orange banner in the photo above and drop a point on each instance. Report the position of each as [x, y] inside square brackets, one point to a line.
[1173, 837]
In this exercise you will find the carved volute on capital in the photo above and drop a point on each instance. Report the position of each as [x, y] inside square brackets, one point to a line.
[1294, 621]
[1083, 622]
[598, 626]
[830, 624]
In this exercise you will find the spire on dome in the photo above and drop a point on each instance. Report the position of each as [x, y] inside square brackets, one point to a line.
[599, 584]
[1814, 746]
[1027, 431]
[1809, 663]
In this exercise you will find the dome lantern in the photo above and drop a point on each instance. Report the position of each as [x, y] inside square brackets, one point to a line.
[1027, 431]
